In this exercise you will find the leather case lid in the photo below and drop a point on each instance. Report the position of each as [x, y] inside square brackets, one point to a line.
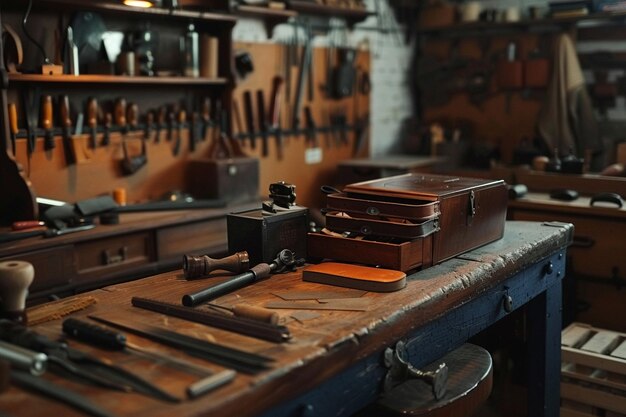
[420, 186]
[355, 276]
[385, 207]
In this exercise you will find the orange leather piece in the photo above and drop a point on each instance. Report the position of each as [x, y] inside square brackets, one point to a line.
[355, 276]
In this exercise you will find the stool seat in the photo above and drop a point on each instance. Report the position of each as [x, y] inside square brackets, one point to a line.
[469, 384]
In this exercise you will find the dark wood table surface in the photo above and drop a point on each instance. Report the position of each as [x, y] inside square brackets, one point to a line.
[333, 365]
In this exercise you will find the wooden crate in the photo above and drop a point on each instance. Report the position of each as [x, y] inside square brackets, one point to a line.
[593, 372]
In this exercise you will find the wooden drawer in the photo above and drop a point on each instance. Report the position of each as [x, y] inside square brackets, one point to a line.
[104, 258]
[53, 267]
[597, 241]
[200, 238]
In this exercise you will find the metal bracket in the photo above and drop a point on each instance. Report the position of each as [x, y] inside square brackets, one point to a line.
[401, 370]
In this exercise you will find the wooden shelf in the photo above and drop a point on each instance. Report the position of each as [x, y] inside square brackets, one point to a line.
[117, 7]
[113, 79]
[264, 12]
[306, 7]
[463, 29]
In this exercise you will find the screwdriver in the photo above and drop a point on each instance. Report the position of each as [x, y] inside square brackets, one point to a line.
[46, 122]
[92, 120]
[13, 124]
[104, 338]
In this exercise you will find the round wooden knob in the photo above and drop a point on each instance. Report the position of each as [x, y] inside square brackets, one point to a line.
[15, 278]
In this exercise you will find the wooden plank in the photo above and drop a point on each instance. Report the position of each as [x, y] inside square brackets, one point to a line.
[620, 351]
[575, 334]
[594, 397]
[593, 360]
[601, 342]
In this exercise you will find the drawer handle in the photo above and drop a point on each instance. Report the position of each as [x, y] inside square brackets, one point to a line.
[613, 198]
[121, 256]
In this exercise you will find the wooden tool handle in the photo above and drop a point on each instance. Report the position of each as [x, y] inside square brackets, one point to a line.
[255, 313]
[13, 118]
[120, 112]
[46, 112]
[132, 115]
[92, 112]
[15, 278]
[64, 111]
[201, 266]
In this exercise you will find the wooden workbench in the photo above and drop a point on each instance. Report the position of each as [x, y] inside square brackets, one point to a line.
[333, 365]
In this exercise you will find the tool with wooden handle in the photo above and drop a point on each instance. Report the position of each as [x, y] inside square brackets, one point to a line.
[149, 125]
[250, 312]
[46, 122]
[201, 266]
[13, 128]
[249, 115]
[92, 121]
[132, 116]
[274, 115]
[263, 122]
[66, 125]
[161, 123]
[15, 278]
[119, 113]
[181, 118]
[243, 325]
[206, 117]
[108, 122]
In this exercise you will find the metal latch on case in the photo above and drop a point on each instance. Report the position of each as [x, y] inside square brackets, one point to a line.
[471, 212]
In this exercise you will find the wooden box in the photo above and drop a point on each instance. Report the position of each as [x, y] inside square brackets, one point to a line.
[234, 180]
[402, 255]
[471, 212]
[264, 234]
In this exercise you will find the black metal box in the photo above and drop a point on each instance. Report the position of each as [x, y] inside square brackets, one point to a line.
[264, 234]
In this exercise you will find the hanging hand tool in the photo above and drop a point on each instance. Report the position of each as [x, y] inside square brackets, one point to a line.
[260, 329]
[92, 120]
[263, 125]
[182, 116]
[311, 128]
[274, 115]
[119, 112]
[149, 125]
[302, 75]
[285, 261]
[132, 116]
[249, 114]
[104, 338]
[13, 124]
[108, 122]
[206, 117]
[161, 123]
[237, 117]
[193, 130]
[66, 125]
[171, 124]
[46, 122]
[64, 359]
[32, 114]
[227, 356]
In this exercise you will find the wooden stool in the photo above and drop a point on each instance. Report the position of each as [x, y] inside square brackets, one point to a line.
[468, 385]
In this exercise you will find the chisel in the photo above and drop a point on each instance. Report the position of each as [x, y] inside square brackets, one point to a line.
[13, 124]
[108, 121]
[46, 122]
[249, 114]
[92, 120]
[66, 124]
[119, 113]
[263, 125]
[149, 124]
[237, 117]
[206, 117]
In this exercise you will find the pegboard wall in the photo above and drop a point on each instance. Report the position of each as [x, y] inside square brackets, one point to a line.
[390, 99]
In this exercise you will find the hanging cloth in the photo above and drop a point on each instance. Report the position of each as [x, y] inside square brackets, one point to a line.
[566, 120]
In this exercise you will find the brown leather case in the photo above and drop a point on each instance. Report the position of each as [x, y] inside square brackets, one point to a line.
[383, 206]
[373, 226]
[473, 211]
